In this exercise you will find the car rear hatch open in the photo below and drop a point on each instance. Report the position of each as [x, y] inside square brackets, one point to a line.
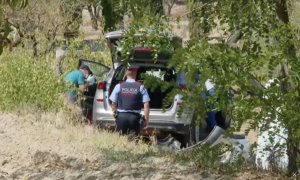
[140, 54]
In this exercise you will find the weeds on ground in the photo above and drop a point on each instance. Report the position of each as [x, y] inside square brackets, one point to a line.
[209, 159]
[118, 148]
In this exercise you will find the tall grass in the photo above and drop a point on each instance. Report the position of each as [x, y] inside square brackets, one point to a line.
[27, 81]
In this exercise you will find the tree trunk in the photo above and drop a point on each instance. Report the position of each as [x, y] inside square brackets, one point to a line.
[94, 14]
[157, 7]
[111, 17]
[198, 28]
[282, 12]
[34, 45]
[168, 5]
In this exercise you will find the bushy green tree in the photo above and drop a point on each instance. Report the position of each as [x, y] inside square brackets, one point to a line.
[266, 50]
[113, 11]
[40, 23]
[29, 82]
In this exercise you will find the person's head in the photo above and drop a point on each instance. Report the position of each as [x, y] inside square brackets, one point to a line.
[85, 70]
[131, 73]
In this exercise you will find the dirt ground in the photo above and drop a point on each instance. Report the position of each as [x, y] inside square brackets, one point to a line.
[43, 146]
[34, 147]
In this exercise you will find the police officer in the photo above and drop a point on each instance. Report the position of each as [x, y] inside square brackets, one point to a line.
[128, 98]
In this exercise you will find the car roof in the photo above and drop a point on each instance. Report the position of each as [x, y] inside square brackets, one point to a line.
[120, 33]
[137, 65]
[114, 34]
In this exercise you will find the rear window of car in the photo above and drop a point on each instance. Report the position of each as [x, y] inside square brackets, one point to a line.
[159, 72]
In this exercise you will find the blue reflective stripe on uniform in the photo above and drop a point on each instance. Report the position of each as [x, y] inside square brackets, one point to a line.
[115, 93]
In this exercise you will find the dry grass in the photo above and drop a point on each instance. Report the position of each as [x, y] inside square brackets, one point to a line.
[26, 134]
[23, 133]
[92, 138]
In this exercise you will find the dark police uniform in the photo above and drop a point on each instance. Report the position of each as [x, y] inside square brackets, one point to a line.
[129, 97]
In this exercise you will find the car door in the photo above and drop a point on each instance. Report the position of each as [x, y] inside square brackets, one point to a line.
[99, 71]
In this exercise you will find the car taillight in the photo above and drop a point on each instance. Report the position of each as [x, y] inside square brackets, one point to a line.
[181, 87]
[178, 104]
[102, 85]
[143, 49]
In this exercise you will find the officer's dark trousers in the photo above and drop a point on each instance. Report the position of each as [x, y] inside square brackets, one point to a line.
[128, 123]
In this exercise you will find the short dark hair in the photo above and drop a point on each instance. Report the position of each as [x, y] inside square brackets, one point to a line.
[131, 72]
[83, 66]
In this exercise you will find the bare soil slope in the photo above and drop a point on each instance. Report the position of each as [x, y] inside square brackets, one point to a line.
[42, 146]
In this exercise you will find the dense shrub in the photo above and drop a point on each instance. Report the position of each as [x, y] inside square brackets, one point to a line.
[27, 81]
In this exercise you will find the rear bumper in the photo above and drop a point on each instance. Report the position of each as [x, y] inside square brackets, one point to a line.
[169, 127]
[160, 126]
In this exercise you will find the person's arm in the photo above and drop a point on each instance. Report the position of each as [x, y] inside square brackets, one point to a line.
[114, 98]
[114, 109]
[146, 100]
[146, 114]
[83, 87]
[81, 83]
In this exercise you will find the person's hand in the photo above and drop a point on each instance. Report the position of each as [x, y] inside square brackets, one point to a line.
[146, 124]
[115, 115]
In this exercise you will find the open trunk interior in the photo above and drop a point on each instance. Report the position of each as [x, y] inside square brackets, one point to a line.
[157, 98]
[156, 94]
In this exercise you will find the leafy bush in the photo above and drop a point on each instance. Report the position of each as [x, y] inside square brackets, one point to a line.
[96, 51]
[27, 81]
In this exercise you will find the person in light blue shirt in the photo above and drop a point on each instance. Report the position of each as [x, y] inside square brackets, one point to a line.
[77, 78]
[128, 98]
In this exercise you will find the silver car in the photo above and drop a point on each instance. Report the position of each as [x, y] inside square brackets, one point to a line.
[163, 119]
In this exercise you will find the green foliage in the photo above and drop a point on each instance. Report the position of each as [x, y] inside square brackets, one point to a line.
[71, 13]
[152, 32]
[78, 48]
[114, 10]
[143, 8]
[14, 3]
[38, 25]
[208, 158]
[268, 51]
[112, 13]
[26, 81]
